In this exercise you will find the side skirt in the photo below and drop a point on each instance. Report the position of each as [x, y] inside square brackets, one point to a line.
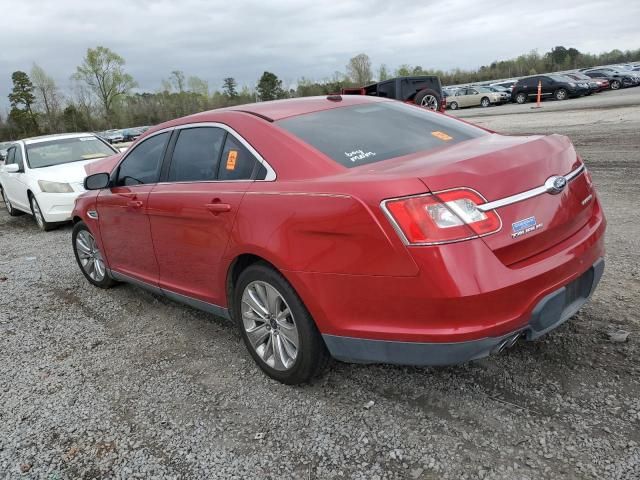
[176, 297]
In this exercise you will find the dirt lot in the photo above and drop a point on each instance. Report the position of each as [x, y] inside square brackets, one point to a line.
[124, 384]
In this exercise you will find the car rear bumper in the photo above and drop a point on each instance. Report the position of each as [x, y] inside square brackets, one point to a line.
[549, 313]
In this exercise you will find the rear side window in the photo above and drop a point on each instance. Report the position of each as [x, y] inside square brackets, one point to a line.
[362, 134]
[143, 164]
[196, 154]
[237, 161]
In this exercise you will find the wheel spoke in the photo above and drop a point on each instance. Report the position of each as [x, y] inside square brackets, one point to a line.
[258, 334]
[283, 315]
[99, 264]
[252, 299]
[273, 298]
[290, 335]
[82, 245]
[279, 355]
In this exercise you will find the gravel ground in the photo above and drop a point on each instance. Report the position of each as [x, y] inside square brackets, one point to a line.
[124, 384]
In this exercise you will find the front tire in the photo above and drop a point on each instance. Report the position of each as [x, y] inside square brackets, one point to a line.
[89, 257]
[485, 102]
[12, 211]
[615, 85]
[39, 217]
[276, 327]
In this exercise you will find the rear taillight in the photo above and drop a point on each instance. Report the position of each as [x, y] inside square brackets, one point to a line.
[442, 217]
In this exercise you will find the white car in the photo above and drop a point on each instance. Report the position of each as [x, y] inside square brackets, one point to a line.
[44, 175]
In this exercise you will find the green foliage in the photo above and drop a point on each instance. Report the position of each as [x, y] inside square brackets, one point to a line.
[270, 87]
[229, 87]
[21, 98]
[102, 71]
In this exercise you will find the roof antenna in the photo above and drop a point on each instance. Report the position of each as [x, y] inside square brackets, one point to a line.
[334, 98]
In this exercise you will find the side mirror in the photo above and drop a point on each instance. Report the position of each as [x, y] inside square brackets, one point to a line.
[12, 168]
[97, 181]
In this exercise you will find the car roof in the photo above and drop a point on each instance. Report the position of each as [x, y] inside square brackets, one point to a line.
[279, 109]
[60, 136]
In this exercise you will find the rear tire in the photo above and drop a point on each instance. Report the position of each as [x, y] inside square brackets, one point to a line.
[428, 98]
[521, 98]
[12, 211]
[561, 94]
[453, 105]
[39, 217]
[276, 327]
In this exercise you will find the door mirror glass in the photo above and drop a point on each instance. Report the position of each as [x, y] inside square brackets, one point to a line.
[12, 168]
[97, 181]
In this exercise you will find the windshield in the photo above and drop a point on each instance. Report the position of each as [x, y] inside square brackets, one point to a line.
[362, 134]
[5, 145]
[66, 150]
[484, 89]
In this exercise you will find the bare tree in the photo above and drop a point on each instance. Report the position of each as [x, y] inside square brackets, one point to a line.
[102, 71]
[359, 69]
[48, 97]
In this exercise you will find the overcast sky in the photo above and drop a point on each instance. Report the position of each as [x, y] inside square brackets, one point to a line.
[310, 38]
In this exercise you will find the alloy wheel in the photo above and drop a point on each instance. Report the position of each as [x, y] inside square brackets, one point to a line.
[430, 102]
[37, 213]
[270, 326]
[7, 203]
[89, 255]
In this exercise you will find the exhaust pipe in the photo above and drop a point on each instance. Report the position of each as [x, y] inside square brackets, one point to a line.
[507, 342]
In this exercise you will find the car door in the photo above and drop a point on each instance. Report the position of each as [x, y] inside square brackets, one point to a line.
[193, 210]
[15, 184]
[472, 98]
[460, 97]
[122, 211]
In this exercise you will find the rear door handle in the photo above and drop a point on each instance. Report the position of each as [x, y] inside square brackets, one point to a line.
[218, 207]
[135, 203]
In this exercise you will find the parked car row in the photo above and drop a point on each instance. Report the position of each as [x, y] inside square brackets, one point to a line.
[351, 226]
[558, 86]
[122, 135]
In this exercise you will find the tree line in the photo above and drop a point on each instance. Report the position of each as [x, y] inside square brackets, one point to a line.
[102, 91]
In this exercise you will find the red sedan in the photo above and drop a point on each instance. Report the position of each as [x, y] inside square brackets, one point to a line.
[354, 227]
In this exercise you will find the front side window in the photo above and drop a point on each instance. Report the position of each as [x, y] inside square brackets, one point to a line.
[66, 150]
[11, 155]
[196, 154]
[142, 164]
[362, 134]
[18, 158]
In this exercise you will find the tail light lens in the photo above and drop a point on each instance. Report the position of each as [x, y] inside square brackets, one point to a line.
[443, 217]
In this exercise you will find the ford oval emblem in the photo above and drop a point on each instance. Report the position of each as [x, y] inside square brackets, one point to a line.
[555, 184]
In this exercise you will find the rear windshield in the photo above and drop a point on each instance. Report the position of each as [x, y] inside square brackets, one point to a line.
[370, 133]
[66, 150]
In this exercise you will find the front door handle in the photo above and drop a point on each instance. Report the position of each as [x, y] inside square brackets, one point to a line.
[217, 207]
[134, 203]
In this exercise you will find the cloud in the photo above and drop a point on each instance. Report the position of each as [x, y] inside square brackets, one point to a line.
[310, 38]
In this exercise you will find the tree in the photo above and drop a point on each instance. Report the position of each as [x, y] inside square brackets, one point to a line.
[383, 73]
[270, 87]
[176, 79]
[22, 100]
[102, 71]
[229, 87]
[359, 69]
[47, 97]
[198, 86]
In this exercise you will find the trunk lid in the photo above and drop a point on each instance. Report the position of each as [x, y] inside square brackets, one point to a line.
[499, 166]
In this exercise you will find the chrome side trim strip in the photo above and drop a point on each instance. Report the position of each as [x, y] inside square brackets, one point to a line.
[534, 192]
[177, 297]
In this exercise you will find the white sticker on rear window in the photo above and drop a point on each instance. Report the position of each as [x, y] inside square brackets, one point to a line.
[84, 139]
[356, 155]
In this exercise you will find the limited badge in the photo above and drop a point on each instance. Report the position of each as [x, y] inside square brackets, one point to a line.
[524, 226]
[442, 136]
[231, 159]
